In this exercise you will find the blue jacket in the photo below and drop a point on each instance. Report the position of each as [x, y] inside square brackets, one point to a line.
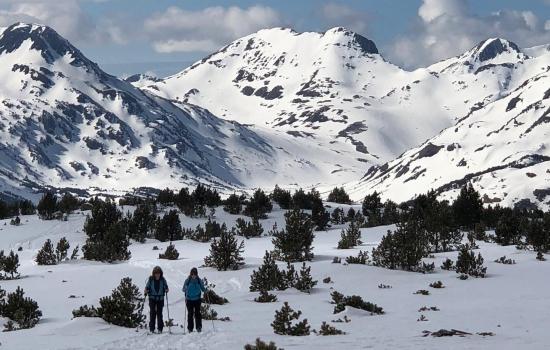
[192, 288]
[154, 293]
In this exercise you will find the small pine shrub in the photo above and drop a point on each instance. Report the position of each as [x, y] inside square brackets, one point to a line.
[437, 285]
[46, 255]
[327, 280]
[327, 329]
[171, 253]
[422, 292]
[362, 258]
[448, 265]
[336, 260]
[540, 256]
[9, 265]
[422, 318]
[505, 261]
[209, 314]
[354, 301]
[304, 282]
[124, 307]
[249, 229]
[426, 308]
[211, 297]
[344, 320]
[351, 237]
[261, 345]
[265, 297]
[85, 311]
[384, 286]
[22, 311]
[283, 323]
[470, 265]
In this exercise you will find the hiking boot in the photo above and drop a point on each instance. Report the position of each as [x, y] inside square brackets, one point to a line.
[199, 330]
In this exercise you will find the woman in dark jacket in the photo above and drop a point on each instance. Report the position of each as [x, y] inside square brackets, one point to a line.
[192, 287]
[156, 288]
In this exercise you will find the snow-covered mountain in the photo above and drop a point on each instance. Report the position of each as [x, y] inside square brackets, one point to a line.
[66, 123]
[501, 145]
[305, 109]
[328, 84]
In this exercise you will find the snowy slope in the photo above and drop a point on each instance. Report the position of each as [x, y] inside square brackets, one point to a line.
[66, 123]
[322, 84]
[502, 147]
[509, 302]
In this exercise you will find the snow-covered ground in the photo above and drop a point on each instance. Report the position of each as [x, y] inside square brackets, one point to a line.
[512, 302]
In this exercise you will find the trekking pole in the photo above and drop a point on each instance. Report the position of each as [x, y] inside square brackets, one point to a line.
[169, 319]
[185, 318]
[210, 306]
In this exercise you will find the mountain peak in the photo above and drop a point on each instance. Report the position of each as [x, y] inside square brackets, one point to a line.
[494, 47]
[366, 45]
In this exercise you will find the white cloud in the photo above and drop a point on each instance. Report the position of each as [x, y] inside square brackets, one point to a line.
[65, 16]
[182, 30]
[446, 28]
[339, 15]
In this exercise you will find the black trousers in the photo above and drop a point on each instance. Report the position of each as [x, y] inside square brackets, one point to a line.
[194, 312]
[155, 313]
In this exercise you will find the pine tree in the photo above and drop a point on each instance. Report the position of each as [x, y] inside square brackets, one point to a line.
[304, 282]
[259, 205]
[294, 243]
[249, 229]
[319, 215]
[46, 255]
[233, 204]
[107, 234]
[390, 213]
[300, 200]
[402, 249]
[171, 253]
[166, 197]
[68, 203]
[62, 249]
[168, 228]
[372, 209]
[354, 301]
[9, 265]
[337, 217]
[467, 264]
[283, 323]
[339, 195]
[225, 253]
[351, 237]
[468, 207]
[47, 206]
[507, 231]
[19, 309]
[124, 307]
[268, 276]
[282, 197]
[142, 222]
[185, 202]
[538, 235]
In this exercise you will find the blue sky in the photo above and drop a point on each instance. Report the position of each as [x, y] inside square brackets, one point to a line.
[129, 36]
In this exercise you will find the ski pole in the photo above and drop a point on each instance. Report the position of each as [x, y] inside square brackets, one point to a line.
[169, 319]
[210, 305]
[185, 318]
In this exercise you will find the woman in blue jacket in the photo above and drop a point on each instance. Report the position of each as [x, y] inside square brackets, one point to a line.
[192, 287]
[156, 288]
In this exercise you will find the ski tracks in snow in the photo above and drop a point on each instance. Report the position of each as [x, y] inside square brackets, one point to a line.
[165, 341]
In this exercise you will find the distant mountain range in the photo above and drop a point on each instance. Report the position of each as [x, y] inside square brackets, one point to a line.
[277, 106]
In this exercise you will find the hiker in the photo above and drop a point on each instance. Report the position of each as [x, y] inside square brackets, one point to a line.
[192, 287]
[156, 288]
